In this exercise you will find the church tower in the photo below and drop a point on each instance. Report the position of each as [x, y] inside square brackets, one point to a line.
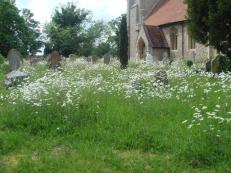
[137, 10]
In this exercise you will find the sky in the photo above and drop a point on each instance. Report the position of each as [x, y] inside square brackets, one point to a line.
[101, 9]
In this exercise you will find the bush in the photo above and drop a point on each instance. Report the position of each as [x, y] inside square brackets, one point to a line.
[189, 63]
[2, 59]
[225, 63]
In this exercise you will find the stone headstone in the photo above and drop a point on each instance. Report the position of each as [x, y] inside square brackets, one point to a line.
[194, 56]
[216, 65]
[54, 60]
[107, 58]
[94, 59]
[162, 77]
[149, 59]
[14, 58]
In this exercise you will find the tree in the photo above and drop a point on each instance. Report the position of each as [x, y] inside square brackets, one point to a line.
[123, 43]
[101, 49]
[113, 39]
[12, 27]
[65, 32]
[94, 35]
[210, 23]
[33, 34]
[17, 31]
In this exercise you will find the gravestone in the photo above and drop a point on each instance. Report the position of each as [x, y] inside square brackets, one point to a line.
[216, 65]
[54, 60]
[107, 58]
[14, 58]
[94, 59]
[15, 77]
[149, 59]
[162, 77]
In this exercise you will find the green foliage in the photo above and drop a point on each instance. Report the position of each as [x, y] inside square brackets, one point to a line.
[210, 23]
[65, 32]
[123, 42]
[2, 59]
[94, 36]
[208, 66]
[101, 50]
[189, 63]
[113, 38]
[33, 39]
[225, 63]
[107, 131]
[12, 22]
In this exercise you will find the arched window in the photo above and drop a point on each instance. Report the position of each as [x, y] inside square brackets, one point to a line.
[174, 38]
[191, 42]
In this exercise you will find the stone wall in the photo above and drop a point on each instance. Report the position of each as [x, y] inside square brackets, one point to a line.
[133, 31]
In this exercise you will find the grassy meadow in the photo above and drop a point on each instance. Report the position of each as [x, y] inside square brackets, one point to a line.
[88, 118]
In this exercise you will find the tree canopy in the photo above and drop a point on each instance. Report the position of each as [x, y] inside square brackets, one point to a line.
[65, 32]
[210, 23]
[17, 31]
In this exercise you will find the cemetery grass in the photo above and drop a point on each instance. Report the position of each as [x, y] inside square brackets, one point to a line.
[108, 132]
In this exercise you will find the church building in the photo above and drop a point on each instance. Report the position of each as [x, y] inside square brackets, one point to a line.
[159, 28]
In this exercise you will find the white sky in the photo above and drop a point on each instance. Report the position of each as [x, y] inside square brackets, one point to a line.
[101, 9]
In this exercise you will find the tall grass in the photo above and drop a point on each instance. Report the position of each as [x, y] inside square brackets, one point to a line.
[97, 118]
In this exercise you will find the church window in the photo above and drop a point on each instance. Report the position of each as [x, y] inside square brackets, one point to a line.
[191, 42]
[174, 38]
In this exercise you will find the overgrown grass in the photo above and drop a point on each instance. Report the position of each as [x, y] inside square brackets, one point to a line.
[105, 128]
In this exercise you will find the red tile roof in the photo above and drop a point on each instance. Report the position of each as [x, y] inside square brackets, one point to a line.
[155, 37]
[166, 12]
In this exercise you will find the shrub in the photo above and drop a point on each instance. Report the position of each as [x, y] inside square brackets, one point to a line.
[189, 63]
[225, 63]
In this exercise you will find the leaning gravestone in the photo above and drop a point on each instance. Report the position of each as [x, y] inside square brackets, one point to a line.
[15, 76]
[54, 60]
[107, 58]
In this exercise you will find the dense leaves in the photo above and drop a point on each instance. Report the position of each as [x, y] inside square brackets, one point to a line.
[17, 31]
[123, 42]
[65, 32]
[210, 23]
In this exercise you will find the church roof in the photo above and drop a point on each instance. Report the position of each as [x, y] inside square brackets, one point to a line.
[155, 37]
[166, 12]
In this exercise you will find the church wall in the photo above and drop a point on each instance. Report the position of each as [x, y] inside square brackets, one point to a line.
[133, 33]
[199, 54]
[175, 54]
[159, 54]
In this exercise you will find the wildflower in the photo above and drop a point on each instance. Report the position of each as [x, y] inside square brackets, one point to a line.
[183, 122]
